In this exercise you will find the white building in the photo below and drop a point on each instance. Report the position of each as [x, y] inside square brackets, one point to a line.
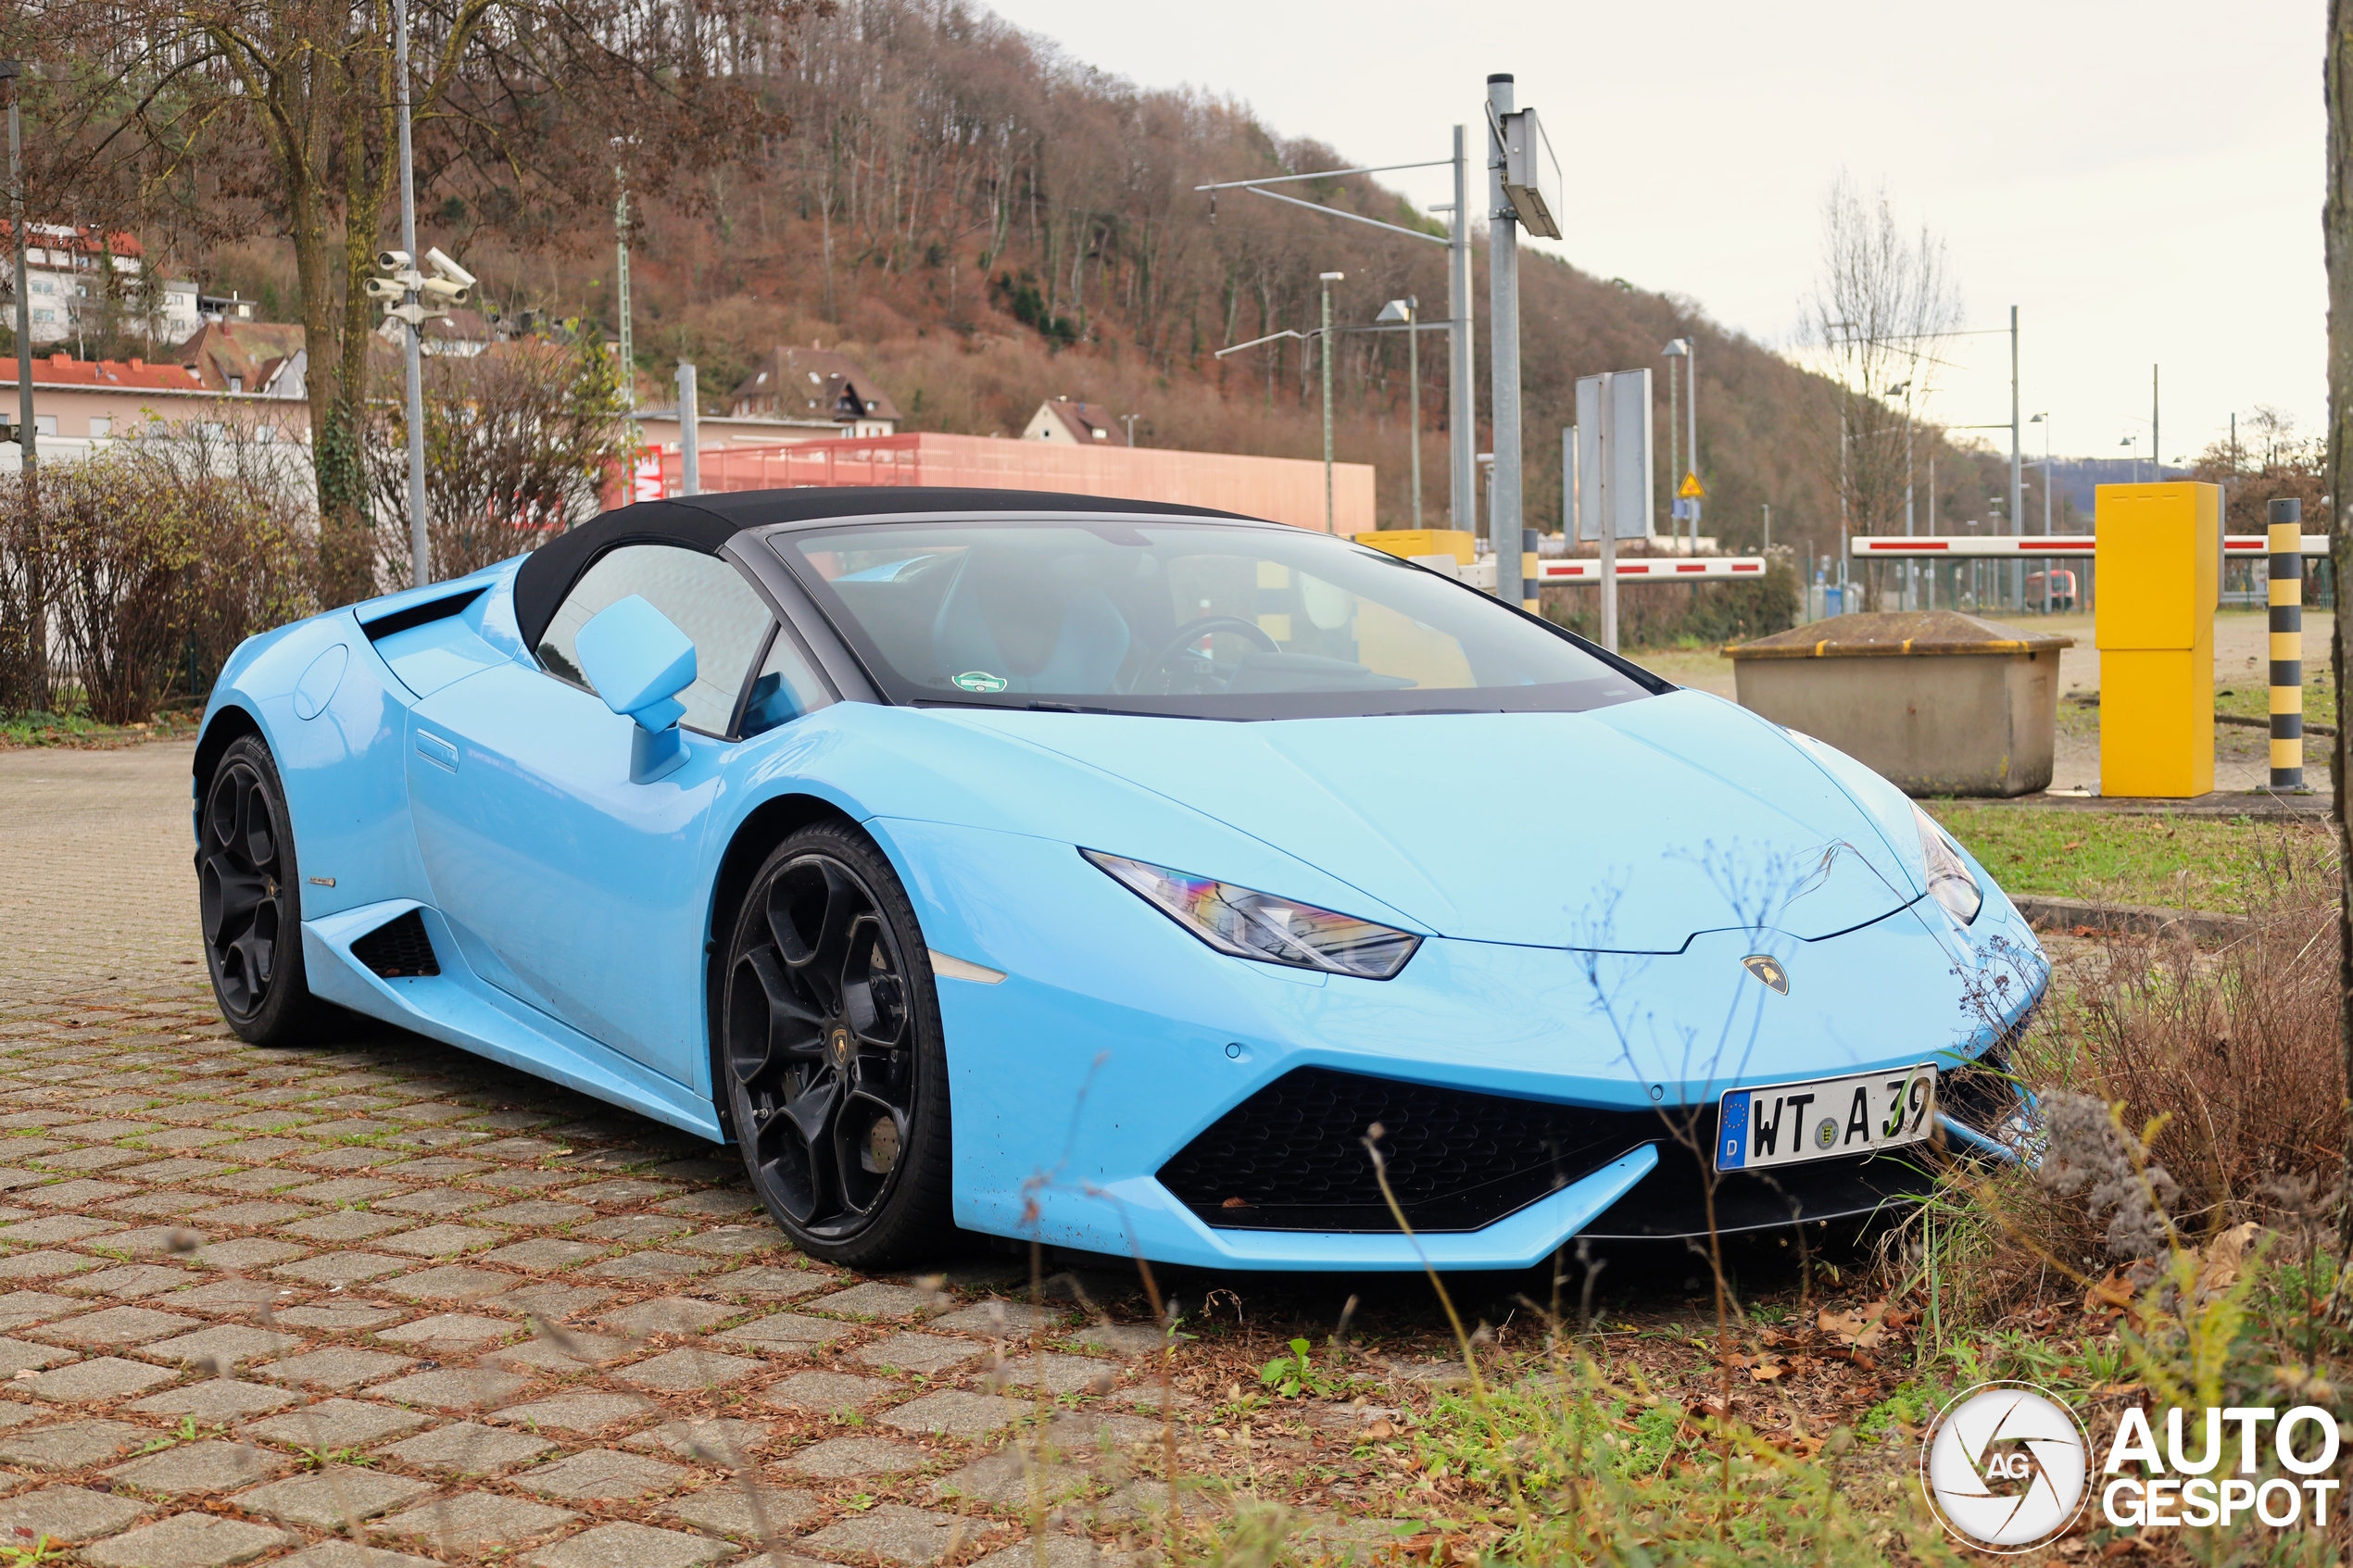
[1083, 424]
[67, 292]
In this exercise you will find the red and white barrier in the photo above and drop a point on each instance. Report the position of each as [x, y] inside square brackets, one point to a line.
[2009, 546]
[1652, 568]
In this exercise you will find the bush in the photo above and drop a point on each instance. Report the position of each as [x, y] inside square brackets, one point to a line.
[517, 442]
[24, 617]
[2237, 1051]
[2224, 1065]
[119, 554]
[135, 572]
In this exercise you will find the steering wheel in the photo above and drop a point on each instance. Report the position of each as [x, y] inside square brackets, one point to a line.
[1192, 631]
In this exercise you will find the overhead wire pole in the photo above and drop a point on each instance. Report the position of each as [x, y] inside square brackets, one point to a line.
[620, 289]
[412, 336]
[1503, 288]
[1462, 394]
[1461, 399]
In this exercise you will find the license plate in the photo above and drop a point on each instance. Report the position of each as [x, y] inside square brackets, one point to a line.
[1790, 1123]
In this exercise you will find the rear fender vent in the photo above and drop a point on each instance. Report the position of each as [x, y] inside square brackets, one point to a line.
[398, 949]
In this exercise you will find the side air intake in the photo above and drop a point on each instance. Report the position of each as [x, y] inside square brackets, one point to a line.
[398, 949]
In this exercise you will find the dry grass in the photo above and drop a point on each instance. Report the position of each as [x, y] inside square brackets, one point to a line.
[2236, 1052]
[2226, 1061]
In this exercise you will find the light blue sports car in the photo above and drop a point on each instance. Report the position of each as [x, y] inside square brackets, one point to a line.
[1121, 875]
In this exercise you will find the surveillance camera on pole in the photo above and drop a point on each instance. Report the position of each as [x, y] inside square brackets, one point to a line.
[448, 269]
[408, 295]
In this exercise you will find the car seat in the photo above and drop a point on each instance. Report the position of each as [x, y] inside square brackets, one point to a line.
[1011, 614]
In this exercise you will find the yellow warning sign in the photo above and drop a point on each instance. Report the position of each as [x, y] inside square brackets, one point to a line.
[1689, 490]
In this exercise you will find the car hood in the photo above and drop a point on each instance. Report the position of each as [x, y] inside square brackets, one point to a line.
[1626, 829]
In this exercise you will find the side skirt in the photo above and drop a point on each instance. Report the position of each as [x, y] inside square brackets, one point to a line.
[456, 1008]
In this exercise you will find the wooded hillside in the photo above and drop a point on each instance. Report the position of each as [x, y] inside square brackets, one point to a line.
[987, 222]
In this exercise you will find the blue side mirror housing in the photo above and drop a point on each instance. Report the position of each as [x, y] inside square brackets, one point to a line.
[639, 661]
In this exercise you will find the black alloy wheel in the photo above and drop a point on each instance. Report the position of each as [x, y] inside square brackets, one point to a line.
[832, 1059]
[249, 898]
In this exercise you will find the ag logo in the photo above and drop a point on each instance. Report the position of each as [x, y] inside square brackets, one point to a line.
[980, 680]
[1768, 969]
[2003, 1466]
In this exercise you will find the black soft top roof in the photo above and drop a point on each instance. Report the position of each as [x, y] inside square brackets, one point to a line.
[705, 523]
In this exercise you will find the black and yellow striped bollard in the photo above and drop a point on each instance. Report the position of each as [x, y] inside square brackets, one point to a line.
[2287, 643]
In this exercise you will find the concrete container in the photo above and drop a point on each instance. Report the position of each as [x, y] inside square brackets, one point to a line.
[1937, 702]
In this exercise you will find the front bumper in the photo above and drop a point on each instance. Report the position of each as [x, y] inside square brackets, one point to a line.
[1117, 1040]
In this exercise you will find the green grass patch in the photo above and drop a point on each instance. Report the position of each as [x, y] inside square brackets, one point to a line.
[2252, 699]
[2189, 862]
[79, 730]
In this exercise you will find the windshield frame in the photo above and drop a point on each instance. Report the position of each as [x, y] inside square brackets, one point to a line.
[786, 540]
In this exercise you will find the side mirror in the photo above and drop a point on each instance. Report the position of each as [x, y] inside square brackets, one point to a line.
[639, 662]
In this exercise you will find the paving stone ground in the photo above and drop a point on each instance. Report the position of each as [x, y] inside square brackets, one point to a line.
[375, 1302]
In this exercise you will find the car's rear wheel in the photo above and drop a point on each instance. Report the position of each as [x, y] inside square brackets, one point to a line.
[831, 1057]
[249, 898]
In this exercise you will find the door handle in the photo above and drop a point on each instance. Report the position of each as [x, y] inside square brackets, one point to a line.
[435, 750]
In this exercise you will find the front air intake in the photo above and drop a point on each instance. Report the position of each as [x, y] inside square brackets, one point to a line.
[1291, 1157]
[399, 950]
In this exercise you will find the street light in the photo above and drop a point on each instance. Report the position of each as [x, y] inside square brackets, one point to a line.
[2133, 441]
[10, 72]
[1911, 572]
[1324, 359]
[1677, 508]
[411, 307]
[1461, 398]
[1397, 312]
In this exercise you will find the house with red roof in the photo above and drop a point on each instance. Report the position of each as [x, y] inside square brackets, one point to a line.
[79, 402]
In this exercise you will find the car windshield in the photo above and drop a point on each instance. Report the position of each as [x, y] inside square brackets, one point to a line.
[1199, 619]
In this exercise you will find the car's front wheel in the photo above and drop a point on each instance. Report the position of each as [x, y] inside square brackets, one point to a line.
[831, 1059]
[249, 896]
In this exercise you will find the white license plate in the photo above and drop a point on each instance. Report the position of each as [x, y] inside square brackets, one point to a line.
[1789, 1124]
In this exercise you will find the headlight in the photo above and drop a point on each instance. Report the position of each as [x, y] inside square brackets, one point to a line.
[1259, 926]
[1948, 877]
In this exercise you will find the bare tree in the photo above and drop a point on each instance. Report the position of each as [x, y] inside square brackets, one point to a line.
[233, 112]
[518, 441]
[2269, 460]
[1881, 306]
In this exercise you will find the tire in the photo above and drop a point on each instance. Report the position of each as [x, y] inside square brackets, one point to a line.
[830, 1059]
[250, 892]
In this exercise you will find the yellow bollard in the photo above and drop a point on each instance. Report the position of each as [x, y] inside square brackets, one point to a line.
[2158, 550]
[2286, 580]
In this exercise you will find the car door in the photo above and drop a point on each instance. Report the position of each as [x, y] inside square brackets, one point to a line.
[566, 884]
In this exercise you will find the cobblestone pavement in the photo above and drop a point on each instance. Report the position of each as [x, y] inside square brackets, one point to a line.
[379, 1302]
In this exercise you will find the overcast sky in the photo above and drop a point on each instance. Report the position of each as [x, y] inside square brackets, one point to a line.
[2142, 181]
